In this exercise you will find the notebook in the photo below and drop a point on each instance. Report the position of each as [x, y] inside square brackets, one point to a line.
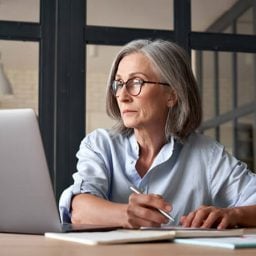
[113, 237]
[246, 241]
[27, 200]
[181, 232]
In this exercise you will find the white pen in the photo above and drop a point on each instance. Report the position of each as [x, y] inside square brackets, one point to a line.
[137, 191]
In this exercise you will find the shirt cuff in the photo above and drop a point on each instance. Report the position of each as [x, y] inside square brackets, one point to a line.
[65, 205]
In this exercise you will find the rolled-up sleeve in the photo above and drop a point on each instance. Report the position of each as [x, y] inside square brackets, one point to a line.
[64, 205]
[66, 198]
[92, 176]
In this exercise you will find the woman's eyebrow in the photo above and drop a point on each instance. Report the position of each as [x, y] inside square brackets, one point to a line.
[134, 74]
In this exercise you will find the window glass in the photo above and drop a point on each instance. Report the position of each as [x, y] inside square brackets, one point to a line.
[233, 71]
[246, 68]
[205, 14]
[99, 60]
[225, 81]
[244, 24]
[216, 16]
[245, 132]
[20, 10]
[19, 62]
[208, 90]
[149, 14]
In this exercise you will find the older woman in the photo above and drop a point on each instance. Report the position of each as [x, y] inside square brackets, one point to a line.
[153, 96]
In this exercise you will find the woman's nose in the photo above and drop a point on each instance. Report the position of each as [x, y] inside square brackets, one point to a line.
[123, 94]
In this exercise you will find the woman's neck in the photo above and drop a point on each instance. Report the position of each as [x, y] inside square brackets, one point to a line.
[149, 145]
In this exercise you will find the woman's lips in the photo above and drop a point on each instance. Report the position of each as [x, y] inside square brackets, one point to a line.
[128, 111]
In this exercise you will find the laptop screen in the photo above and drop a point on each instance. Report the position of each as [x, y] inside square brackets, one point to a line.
[26, 196]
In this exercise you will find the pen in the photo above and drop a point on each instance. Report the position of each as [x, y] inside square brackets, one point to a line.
[137, 191]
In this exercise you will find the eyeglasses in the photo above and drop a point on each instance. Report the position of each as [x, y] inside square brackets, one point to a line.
[133, 86]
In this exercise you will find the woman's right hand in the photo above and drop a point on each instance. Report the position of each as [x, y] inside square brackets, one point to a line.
[142, 211]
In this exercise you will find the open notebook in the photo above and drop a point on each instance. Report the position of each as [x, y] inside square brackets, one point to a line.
[27, 199]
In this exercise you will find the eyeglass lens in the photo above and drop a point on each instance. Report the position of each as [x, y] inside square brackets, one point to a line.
[133, 86]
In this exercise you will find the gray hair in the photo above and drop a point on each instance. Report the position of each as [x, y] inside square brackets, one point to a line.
[173, 66]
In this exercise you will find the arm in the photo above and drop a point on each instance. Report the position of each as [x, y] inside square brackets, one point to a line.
[209, 216]
[90, 209]
[140, 211]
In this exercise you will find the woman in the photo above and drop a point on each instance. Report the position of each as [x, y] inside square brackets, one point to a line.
[153, 96]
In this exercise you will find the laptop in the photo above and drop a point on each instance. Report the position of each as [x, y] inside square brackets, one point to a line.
[27, 200]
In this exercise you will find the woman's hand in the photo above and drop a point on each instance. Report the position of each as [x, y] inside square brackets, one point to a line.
[142, 210]
[211, 217]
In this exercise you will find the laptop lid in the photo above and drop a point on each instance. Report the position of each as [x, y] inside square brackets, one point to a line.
[26, 196]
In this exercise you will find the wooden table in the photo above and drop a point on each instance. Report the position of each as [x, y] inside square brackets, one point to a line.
[35, 245]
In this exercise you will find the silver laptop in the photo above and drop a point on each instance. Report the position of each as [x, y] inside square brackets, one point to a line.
[27, 201]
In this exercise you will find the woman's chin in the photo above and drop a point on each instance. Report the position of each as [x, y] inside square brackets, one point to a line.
[130, 125]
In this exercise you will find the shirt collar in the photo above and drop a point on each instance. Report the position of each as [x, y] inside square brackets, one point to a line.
[164, 154]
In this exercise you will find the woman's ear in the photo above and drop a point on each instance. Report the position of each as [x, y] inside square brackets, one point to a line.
[172, 100]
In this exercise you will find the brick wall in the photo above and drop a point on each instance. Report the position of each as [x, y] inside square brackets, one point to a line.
[25, 90]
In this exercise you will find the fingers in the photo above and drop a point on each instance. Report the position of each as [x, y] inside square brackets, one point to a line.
[150, 201]
[142, 210]
[224, 223]
[208, 217]
[202, 217]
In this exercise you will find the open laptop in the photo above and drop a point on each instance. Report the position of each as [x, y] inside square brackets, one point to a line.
[27, 201]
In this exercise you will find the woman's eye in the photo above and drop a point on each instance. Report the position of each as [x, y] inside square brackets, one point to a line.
[120, 84]
[137, 81]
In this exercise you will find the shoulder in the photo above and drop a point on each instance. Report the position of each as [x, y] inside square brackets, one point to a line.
[105, 144]
[210, 151]
[101, 138]
[203, 143]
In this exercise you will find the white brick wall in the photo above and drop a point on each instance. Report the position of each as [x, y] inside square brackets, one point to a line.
[96, 101]
[25, 89]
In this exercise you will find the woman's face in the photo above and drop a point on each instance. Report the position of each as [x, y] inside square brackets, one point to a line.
[149, 109]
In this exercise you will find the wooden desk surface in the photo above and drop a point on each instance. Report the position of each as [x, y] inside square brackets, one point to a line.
[31, 245]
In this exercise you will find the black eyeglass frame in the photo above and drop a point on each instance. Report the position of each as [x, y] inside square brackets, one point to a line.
[118, 84]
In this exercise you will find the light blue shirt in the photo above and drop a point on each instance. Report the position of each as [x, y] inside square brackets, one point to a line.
[199, 172]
